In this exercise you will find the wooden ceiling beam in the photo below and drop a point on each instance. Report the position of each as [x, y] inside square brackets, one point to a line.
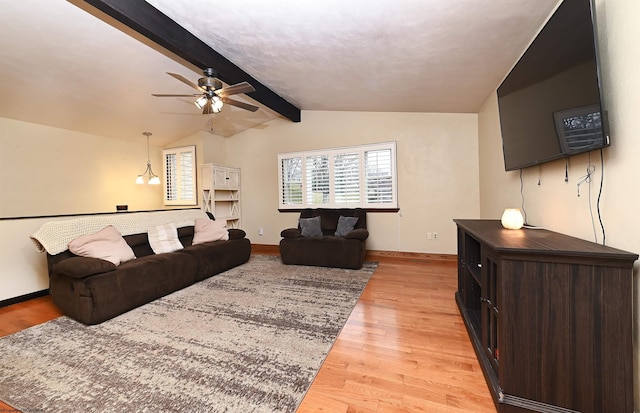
[145, 19]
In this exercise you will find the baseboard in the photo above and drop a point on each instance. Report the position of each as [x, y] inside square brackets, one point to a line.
[22, 298]
[376, 255]
[372, 255]
[265, 249]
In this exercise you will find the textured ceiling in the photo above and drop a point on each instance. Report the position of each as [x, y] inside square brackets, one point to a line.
[62, 66]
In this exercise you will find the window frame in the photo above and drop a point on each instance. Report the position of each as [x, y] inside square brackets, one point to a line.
[331, 153]
[181, 199]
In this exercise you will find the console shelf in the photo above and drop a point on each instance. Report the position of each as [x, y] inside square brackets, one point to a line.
[549, 317]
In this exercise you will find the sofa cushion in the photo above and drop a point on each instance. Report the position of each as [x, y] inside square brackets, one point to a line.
[236, 233]
[310, 227]
[164, 238]
[345, 225]
[206, 230]
[217, 256]
[106, 244]
[80, 267]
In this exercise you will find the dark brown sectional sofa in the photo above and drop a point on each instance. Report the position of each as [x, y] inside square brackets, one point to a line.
[93, 290]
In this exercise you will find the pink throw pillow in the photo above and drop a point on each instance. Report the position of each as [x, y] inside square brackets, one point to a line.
[206, 230]
[106, 244]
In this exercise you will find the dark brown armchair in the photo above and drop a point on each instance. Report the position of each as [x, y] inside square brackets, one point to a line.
[326, 238]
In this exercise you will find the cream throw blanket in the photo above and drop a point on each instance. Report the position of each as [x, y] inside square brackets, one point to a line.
[53, 237]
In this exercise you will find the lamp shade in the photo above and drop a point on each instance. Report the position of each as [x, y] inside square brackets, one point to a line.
[512, 218]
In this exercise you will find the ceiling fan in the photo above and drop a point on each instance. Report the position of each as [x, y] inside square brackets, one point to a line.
[212, 95]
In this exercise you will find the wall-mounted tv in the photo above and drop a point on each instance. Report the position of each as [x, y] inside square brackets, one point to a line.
[551, 102]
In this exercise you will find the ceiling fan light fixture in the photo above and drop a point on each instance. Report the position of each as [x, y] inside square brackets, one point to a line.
[217, 104]
[201, 102]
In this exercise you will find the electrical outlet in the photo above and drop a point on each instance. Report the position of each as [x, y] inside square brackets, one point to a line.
[260, 231]
[435, 235]
[429, 235]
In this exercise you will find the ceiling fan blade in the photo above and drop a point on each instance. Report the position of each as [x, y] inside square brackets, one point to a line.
[185, 81]
[239, 104]
[160, 95]
[243, 87]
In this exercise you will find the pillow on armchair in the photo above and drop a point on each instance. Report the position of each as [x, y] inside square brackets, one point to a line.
[310, 227]
[345, 225]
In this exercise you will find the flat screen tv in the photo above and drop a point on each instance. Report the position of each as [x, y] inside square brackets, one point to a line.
[550, 103]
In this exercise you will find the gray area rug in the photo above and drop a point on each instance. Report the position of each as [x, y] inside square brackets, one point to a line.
[248, 340]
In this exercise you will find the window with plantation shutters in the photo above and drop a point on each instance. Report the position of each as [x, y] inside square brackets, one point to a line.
[378, 176]
[180, 176]
[360, 176]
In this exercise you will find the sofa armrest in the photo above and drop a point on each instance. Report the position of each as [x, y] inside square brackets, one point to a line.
[359, 233]
[235, 233]
[81, 267]
[290, 233]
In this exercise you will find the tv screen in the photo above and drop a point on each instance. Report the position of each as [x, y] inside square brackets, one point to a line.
[550, 103]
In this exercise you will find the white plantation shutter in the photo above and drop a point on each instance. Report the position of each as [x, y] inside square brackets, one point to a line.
[362, 176]
[290, 178]
[317, 179]
[346, 178]
[180, 176]
[187, 176]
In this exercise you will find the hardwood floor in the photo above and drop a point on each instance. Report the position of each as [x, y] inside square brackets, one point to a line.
[403, 349]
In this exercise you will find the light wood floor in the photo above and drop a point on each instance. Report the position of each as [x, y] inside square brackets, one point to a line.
[403, 349]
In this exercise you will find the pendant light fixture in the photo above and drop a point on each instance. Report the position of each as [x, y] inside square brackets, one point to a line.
[152, 179]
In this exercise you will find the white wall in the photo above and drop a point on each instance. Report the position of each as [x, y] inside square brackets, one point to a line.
[555, 204]
[437, 173]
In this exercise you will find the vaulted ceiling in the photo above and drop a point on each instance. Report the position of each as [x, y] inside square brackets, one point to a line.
[69, 65]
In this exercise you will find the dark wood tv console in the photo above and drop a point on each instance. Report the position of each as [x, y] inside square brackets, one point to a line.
[550, 318]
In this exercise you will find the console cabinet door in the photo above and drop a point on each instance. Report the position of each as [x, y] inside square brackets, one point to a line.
[490, 308]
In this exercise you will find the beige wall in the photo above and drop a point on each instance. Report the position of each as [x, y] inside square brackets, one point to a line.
[437, 173]
[554, 204]
[50, 171]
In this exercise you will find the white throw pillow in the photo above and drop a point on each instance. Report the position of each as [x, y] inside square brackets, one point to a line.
[164, 238]
[106, 244]
[206, 230]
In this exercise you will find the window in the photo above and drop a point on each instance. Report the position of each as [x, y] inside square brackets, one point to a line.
[362, 176]
[180, 176]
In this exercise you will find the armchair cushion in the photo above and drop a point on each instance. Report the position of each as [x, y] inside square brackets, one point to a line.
[290, 233]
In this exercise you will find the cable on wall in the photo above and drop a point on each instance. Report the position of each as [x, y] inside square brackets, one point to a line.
[524, 211]
[604, 234]
[587, 179]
